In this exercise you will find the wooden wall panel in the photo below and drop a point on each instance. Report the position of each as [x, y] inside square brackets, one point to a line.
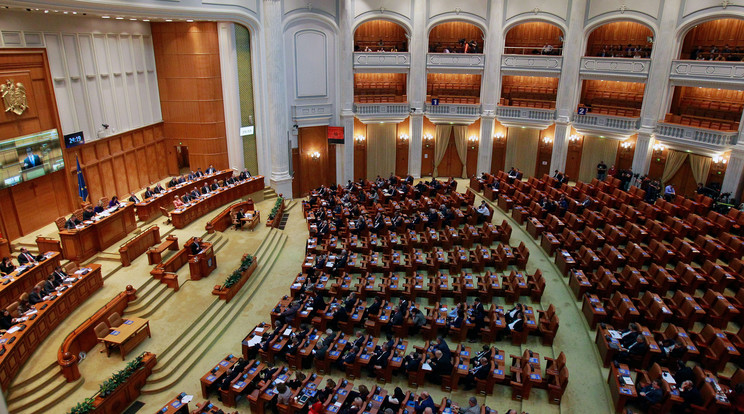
[544, 152]
[624, 157]
[618, 33]
[314, 172]
[658, 162]
[573, 159]
[498, 154]
[360, 150]
[401, 149]
[719, 32]
[120, 164]
[471, 160]
[370, 33]
[30, 205]
[427, 149]
[448, 35]
[526, 38]
[190, 86]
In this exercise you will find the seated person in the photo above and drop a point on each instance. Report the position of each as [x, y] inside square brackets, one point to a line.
[25, 257]
[114, 202]
[484, 214]
[158, 189]
[239, 216]
[36, 296]
[177, 203]
[133, 198]
[423, 402]
[6, 321]
[72, 222]
[244, 174]
[650, 394]
[148, 193]
[50, 286]
[6, 266]
[89, 213]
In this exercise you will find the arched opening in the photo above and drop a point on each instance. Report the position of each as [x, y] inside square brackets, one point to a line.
[456, 37]
[626, 39]
[612, 97]
[380, 36]
[534, 38]
[709, 108]
[721, 39]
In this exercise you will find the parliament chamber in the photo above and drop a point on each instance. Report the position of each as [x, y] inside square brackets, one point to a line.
[371, 207]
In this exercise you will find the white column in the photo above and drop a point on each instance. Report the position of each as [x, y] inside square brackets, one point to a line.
[657, 85]
[230, 94]
[414, 144]
[485, 147]
[346, 80]
[568, 85]
[491, 85]
[642, 153]
[277, 98]
[418, 46]
[733, 181]
[560, 146]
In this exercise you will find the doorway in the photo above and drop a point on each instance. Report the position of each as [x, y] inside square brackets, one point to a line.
[451, 166]
[182, 156]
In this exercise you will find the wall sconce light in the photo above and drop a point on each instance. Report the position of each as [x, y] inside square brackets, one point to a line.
[499, 136]
[659, 147]
[359, 138]
[719, 160]
[547, 140]
[574, 138]
[404, 137]
[626, 145]
[473, 138]
[315, 155]
[428, 137]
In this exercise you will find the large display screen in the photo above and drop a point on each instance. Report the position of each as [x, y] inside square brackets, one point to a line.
[30, 156]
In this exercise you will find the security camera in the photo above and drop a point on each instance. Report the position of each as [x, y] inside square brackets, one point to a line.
[105, 126]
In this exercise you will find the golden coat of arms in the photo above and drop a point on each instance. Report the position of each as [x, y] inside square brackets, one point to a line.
[14, 97]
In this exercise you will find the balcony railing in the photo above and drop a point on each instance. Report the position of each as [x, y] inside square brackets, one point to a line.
[534, 64]
[466, 62]
[614, 68]
[691, 71]
[452, 112]
[707, 138]
[376, 60]
[383, 112]
[519, 116]
[606, 123]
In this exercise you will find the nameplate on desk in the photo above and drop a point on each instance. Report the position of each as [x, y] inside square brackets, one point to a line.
[115, 333]
[224, 363]
[128, 322]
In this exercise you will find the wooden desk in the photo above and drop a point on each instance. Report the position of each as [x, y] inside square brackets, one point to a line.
[150, 208]
[183, 217]
[14, 285]
[54, 311]
[620, 391]
[174, 406]
[203, 263]
[579, 283]
[549, 243]
[534, 227]
[251, 219]
[593, 310]
[564, 261]
[81, 244]
[214, 376]
[128, 335]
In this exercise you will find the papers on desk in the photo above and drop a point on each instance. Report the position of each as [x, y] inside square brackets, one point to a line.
[614, 334]
[254, 341]
[426, 367]
[287, 332]
[668, 377]
[187, 399]
[69, 279]
[13, 329]
[627, 380]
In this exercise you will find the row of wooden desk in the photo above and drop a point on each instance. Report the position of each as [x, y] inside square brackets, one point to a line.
[184, 216]
[150, 208]
[18, 346]
[81, 244]
[17, 283]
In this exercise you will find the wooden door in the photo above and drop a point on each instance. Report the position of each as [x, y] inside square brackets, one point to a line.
[683, 181]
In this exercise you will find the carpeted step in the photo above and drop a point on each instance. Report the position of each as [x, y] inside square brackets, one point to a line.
[48, 400]
[34, 384]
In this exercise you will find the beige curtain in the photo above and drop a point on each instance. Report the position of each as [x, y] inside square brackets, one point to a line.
[675, 160]
[461, 141]
[595, 149]
[521, 150]
[700, 167]
[441, 139]
[380, 150]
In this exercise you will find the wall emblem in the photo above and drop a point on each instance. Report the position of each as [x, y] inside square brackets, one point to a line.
[14, 97]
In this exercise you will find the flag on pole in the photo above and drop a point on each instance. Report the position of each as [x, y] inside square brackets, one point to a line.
[82, 188]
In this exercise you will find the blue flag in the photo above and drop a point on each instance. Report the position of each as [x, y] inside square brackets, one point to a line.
[82, 188]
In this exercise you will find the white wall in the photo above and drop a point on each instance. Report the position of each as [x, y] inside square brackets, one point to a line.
[103, 69]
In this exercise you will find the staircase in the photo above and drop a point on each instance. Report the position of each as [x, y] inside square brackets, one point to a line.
[175, 362]
[42, 392]
[269, 193]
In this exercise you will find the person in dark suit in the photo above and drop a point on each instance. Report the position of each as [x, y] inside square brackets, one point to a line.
[341, 261]
[133, 198]
[88, 213]
[205, 189]
[411, 363]
[360, 340]
[244, 175]
[290, 313]
[211, 169]
[25, 257]
[196, 247]
[650, 394]
[230, 375]
[323, 229]
[173, 182]
[440, 366]
[59, 275]
[479, 371]
[379, 359]
[6, 266]
[230, 180]
[158, 189]
[339, 315]
[637, 348]
[350, 302]
[192, 176]
[348, 358]
[194, 194]
[50, 285]
[423, 402]
[215, 185]
[442, 346]
[317, 303]
[199, 173]
[479, 319]
[148, 193]
[374, 308]
[72, 222]
[32, 160]
[36, 296]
